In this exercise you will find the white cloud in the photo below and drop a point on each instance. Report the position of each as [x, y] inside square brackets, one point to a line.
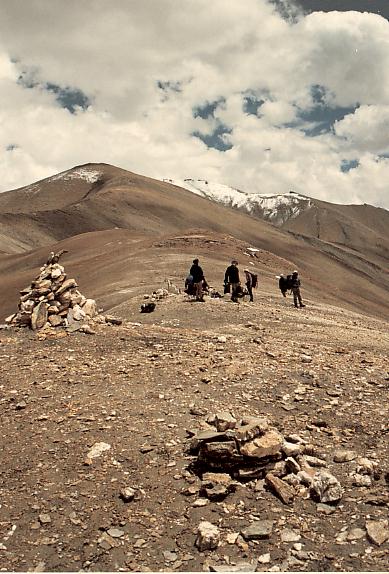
[116, 53]
[367, 129]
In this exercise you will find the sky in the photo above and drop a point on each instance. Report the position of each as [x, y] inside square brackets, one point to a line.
[266, 96]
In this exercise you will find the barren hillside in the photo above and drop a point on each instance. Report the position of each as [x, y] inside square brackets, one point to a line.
[123, 231]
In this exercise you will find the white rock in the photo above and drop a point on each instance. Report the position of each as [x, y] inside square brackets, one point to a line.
[327, 487]
[291, 449]
[361, 479]
[208, 536]
[78, 313]
[377, 531]
[365, 465]
[97, 449]
[289, 535]
[90, 307]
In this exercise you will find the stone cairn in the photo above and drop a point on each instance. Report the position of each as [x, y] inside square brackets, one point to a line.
[52, 300]
[241, 451]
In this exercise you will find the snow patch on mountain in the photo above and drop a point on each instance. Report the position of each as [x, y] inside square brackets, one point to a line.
[89, 175]
[277, 208]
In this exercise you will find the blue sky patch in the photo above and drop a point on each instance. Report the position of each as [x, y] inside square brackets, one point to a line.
[251, 104]
[215, 140]
[208, 109]
[71, 99]
[348, 164]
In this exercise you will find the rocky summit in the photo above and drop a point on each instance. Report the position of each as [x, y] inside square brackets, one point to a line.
[198, 437]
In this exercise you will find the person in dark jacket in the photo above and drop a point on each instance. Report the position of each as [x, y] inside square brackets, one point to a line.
[231, 277]
[296, 289]
[198, 277]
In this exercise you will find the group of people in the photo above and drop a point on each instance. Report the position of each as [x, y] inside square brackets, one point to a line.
[196, 283]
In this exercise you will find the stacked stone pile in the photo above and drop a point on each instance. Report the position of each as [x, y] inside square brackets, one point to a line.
[251, 449]
[53, 300]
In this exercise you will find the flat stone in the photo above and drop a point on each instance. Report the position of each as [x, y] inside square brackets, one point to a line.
[238, 567]
[54, 320]
[39, 316]
[315, 461]
[78, 313]
[208, 536]
[289, 535]
[216, 493]
[169, 556]
[44, 518]
[254, 428]
[106, 541]
[267, 445]
[224, 420]
[115, 532]
[113, 320]
[258, 530]
[199, 502]
[87, 330]
[343, 455]
[66, 285]
[206, 436]
[291, 449]
[324, 509]
[216, 486]
[97, 449]
[377, 531]
[218, 451]
[89, 307]
[213, 478]
[363, 480]
[356, 534]
[264, 558]
[280, 488]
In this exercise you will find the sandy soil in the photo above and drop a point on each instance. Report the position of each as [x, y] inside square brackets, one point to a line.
[142, 387]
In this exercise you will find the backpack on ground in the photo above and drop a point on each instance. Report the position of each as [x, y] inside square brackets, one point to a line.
[254, 280]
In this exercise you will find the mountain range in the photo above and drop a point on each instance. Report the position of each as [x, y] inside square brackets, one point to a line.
[125, 231]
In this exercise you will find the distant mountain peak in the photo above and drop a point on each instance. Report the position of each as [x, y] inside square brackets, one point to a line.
[274, 207]
[85, 172]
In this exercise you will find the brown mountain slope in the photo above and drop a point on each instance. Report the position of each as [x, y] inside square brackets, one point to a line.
[115, 266]
[362, 228]
[57, 208]
[162, 227]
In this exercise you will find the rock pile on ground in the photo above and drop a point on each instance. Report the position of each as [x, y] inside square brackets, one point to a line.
[251, 449]
[53, 300]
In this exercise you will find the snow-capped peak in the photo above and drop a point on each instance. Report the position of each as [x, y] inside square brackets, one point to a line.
[88, 174]
[277, 208]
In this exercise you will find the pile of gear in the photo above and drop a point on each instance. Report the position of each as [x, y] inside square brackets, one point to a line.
[53, 300]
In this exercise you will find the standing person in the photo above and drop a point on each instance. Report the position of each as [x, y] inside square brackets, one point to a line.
[296, 283]
[231, 277]
[249, 284]
[198, 277]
